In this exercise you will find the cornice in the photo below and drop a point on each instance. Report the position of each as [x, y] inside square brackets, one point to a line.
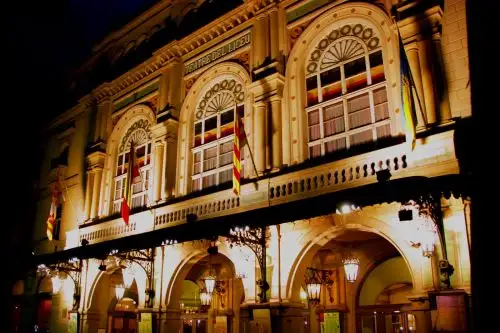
[189, 46]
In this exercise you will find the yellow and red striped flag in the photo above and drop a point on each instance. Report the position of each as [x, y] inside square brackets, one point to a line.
[239, 138]
[56, 194]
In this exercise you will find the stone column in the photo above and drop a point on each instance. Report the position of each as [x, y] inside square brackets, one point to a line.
[163, 90]
[170, 161]
[444, 105]
[90, 321]
[158, 167]
[96, 192]
[104, 116]
[276, 132]
[413, 59]
[259, 133]
[88, 194]
[427, 80]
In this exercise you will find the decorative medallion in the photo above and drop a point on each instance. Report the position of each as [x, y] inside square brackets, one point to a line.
[139, 133]
[221, 96]
[330, 50]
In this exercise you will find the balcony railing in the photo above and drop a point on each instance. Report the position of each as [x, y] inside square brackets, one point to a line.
[435, 157]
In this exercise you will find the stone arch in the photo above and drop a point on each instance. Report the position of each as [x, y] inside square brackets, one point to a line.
[174, 284]
[420, 267]
[140, 112]
[295, 90]
[188, 111]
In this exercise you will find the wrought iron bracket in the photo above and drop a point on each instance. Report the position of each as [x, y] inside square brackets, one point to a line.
[145, 259]
[254, 238]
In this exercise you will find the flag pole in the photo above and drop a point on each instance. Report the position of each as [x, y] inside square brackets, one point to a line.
[251, 155]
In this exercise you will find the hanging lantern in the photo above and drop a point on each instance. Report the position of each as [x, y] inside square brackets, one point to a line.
[205, 299]
[56, 283]
[313, 290]
[351, 266]
[210, 283]
[128, 276]
[119, 291]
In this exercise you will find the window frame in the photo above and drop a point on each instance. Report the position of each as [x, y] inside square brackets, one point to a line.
[344, 97]
[215, 143]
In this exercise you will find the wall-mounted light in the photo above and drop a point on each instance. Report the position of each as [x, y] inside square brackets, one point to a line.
[351, 267]
[347, 208]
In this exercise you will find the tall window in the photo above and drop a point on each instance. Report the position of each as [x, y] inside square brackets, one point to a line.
[214, 134]
[346, 91]
[139, 134]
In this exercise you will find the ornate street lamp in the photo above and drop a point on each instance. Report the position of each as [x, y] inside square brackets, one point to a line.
[315, 278]
[351, 266]
[206, 299]
[209, 283]
[56, 283]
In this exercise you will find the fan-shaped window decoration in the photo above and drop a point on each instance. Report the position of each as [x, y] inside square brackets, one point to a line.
[346, 91]
[139, 133]
[214, 134]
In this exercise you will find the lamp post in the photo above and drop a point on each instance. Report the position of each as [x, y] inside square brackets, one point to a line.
[256, 239]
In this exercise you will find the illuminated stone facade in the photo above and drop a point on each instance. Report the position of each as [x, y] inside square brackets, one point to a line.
[319, 83]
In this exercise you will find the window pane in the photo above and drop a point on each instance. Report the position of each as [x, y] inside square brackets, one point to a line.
[377, 67]
[312, 90]
[333, 118]
[196, 184]
[226, 176]
[335, 145]
[210, 159]
[383, 131]
[359, 111]
[209, 180]
[314, 129]
[210, 129]
[314, 151]
[197, 134]
[355, 74]
[226, 153]
[380, 102]
[361, 137]
[227, 123]
[331, 84]
[196, 163]
[227, 117]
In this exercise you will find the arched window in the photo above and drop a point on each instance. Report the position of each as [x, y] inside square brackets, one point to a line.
[214, 134]
[140, 135]
[346, 91]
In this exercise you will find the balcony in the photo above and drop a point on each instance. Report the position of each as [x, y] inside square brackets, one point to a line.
[431, 158]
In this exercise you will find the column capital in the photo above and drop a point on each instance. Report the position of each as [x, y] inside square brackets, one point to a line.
[416, 27]
[267, 87]
[96, 159]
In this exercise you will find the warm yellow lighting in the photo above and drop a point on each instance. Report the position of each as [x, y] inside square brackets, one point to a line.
[313, 290]
[351, 266]
[128, 276]
[347, 208]
[210, 284]
[205, 298]
[303, 295]
[119, 291]
[56, 284]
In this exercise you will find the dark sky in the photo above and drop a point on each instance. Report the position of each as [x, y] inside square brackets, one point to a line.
[41, 41]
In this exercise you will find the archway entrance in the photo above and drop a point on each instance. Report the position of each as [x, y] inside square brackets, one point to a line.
[382, 301]
[208, 293]
[375, 301]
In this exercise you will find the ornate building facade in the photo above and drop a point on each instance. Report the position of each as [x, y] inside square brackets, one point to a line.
[342, 224]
